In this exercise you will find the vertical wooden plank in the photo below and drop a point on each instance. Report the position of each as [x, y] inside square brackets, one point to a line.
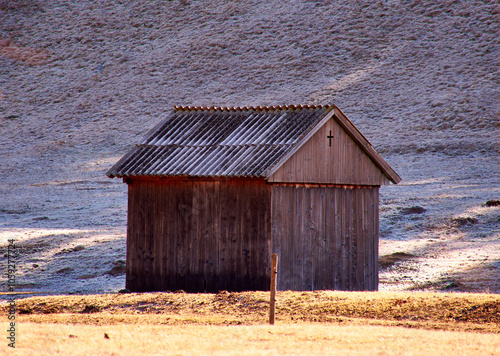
[145, 238]
[328, 152]
[322, 238]
[345, 214]
[187, 236]
[366, 236]
[142, 272]
[298, 263]
[255, 237]
[146, 243]
[334, 154]
[131, 248]
[177, 264]
[307, 238]
[174, 249]
[137, 236]
[340, 156]
[155, 281]
[233, 222]
[372, 235]
[287, 236]
[369, 245]
[360, 239]
[352, 238]
[153, 243]
[247, 231]
[336, 242]
[337, 247]
[197, 252]
[314, 257]
[241, 235]
[225, 245]
[169, 246]
[330, 262]
[259, 240]
[351, 156]
[264, 248]
[206, 217]
[347, 159]
[157, 236]
[317, 250]
[209, 216]
[160, 236]
[321, 161]
[217, 237]
[139, 281]
[371, 253]
[200, 227]
[236, 211]
[376, 234]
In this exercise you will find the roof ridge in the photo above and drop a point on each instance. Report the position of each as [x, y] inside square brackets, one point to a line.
[214, 145]
[247, 108]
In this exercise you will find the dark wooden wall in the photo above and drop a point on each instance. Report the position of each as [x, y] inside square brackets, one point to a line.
[326, 237]
[206, 236]
[198, 236]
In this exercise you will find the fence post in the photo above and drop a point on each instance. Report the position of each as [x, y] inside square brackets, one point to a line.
[274, 276]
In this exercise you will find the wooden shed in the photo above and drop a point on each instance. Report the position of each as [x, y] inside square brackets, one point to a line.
[213, 192]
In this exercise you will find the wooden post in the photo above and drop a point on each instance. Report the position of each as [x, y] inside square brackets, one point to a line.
[274, 275]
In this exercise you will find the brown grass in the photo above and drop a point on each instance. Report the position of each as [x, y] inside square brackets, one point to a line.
[310, 323]
[280, 339]
[446, 311]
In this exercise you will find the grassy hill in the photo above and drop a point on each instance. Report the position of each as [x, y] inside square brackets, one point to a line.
[80, 82]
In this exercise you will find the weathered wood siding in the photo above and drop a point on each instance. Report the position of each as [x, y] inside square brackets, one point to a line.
[198, 236]
[344, 162]
[326, 237]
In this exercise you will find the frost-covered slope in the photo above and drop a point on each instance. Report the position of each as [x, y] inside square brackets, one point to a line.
[82, 81]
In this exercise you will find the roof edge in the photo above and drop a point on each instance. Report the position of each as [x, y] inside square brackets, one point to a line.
[247, 108]
[112, 172]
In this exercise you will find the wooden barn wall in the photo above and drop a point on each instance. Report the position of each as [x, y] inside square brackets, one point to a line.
[344, 162]
[326, 237]
[198, 236]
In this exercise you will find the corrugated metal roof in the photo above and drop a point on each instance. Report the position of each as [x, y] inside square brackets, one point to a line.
[220, 141]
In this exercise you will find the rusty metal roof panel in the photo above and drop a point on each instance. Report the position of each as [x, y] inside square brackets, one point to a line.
[219, 142]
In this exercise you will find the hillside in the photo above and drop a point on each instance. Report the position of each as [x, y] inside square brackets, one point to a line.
[80, 82]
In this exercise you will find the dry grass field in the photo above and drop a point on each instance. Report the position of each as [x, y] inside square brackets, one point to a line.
[283, 339]
[320, 322]
[82, 81]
